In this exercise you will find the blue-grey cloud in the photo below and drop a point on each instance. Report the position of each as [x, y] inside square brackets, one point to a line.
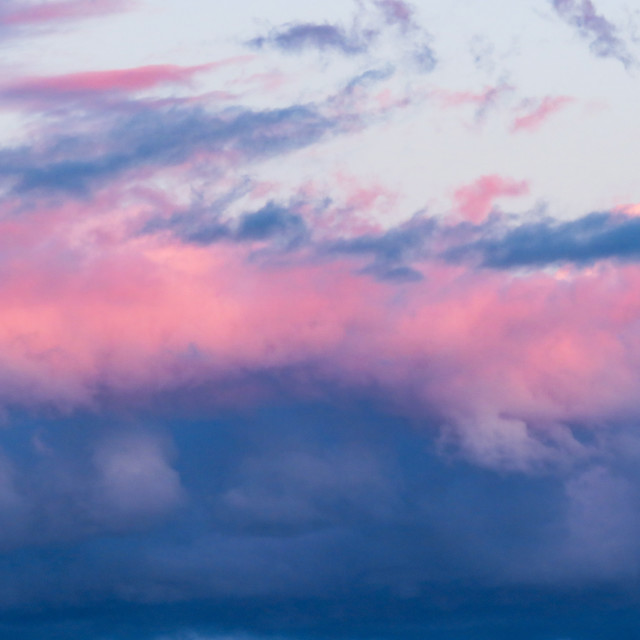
[604, 39]
[75, 164]
[269, 222]
[369, 78]
[389, 255]
[396, 253]
[323, 37]
[425, 58]
[306, 518]
[360, 38]
[279, 225]
[597, 236]
[393, 251]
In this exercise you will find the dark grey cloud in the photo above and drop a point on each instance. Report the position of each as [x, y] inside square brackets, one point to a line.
[446, 615]
[393, 251]
[604, 38]
[396, 254]
[269, 222]
[390, 255]
[597, 236]
[279, 225]
[306, 518]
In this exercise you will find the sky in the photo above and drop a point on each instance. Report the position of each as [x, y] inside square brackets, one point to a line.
[319, 321]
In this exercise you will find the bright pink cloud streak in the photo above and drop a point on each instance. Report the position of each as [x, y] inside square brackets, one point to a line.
[475, 201]
[113, 80]
[108, 81]
[45, 12]
[535, 118]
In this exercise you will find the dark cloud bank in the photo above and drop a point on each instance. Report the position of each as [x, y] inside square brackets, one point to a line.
[330, 517]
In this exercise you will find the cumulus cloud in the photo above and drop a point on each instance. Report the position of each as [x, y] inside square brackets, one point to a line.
[134, 480]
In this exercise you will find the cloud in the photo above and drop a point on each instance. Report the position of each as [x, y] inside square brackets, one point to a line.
[475, 201]
[600, 522]
[298, 37]
[251, 398]
[157, 138]
[268, 222]
[97, 82]
[401, 14]
[425, 57]
[298, 491]
[273, 223]
[134, 481]
[369, 78]
[535, 117]
[597, 236]
[25, 14]
[318, 507]
[605, 41]
[135, 329]
[396, 12]
[484, 101]
[391, 251]
[366, 30]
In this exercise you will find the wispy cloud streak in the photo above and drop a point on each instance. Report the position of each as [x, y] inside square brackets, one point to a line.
[535, 117]
[604, 37]
[96, 82]
[25, 14]
[157, 138]
[298, 37]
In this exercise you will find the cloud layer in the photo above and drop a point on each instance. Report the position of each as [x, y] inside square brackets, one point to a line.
[318, 329]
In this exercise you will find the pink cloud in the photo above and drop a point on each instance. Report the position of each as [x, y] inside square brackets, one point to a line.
[504, 362]
[481, 99]
[539, 114]
[108, 81]
[44, 12]
[476, 200]
[629, 209]
[114, 80]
